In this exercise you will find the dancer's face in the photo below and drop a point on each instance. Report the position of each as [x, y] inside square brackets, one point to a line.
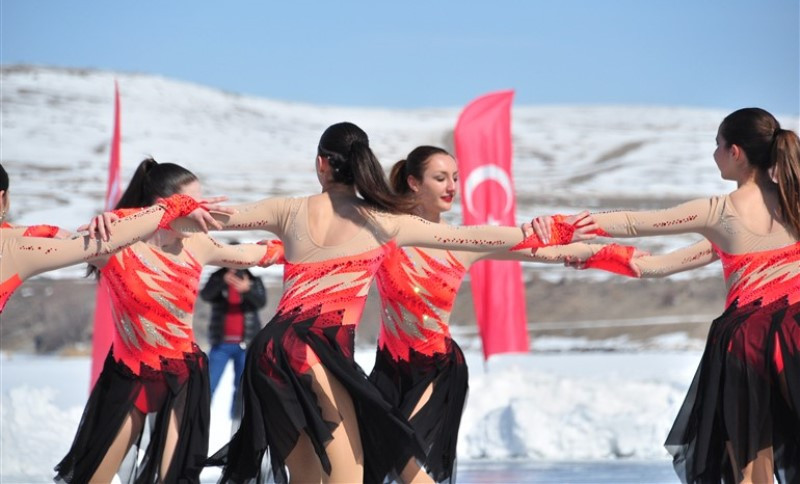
[437, 189]
[726, 159]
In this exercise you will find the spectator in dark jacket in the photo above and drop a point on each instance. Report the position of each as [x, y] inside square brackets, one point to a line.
[235, 297]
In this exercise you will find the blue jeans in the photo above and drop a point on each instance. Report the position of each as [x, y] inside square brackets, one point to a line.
[217, 360]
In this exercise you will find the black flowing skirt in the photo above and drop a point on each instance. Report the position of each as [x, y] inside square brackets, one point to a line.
[181, 386]
[279, 403]
[746, 391]
[403, 383]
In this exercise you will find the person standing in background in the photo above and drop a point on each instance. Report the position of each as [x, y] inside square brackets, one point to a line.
[235, 296]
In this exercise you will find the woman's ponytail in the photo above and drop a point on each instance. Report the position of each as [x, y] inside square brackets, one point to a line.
[346, 146]
[398, 178]
[370, 180]
[785, 156]
[153, 180]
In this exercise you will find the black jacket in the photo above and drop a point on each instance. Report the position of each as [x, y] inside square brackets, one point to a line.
[216, 293]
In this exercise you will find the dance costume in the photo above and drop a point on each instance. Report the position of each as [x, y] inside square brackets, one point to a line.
[418, 288]
[154, 364]
[753, 348]
[325, 288]
[27, 251]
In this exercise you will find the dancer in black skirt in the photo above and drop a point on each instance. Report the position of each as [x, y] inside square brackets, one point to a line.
[418, 367]
[305, 398]
[154, 366]
[741, 418]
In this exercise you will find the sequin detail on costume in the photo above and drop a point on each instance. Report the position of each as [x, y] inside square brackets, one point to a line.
[561, 233]
[176, 206]
[274, 253]
[7, 288]
[613, 258]
[416, 300]
[767, 275]
[152, 306]
[330, 292]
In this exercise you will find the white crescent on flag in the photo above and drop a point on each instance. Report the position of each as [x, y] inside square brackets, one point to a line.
[485, 173]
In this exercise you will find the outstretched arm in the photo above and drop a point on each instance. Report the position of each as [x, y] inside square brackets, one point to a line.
[697, 255]
[548, 255]
[697, 216]
[623, 260]
[34, 255]
[241, 256]
[266, 214]
[414, 231]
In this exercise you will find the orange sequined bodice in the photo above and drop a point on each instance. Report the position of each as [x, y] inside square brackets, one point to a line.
[152, 306]
[335, 289]
[417, 294]
[324, 295]
[767, 275]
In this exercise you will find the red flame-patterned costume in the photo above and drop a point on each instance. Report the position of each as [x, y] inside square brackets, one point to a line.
[325, 288]
[154, 365]
[746, 391]
[415, 351]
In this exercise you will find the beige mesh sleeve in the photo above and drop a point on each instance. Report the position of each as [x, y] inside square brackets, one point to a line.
[267, 214]
[698, 216]
[685, 259]
[34, 255]
[241, 256]
[414, 231]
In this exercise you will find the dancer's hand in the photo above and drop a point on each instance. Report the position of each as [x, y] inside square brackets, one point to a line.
[527, 229]
[585, 227]
[100, 226]
[579, 264]
[203, 218]
[211, 204]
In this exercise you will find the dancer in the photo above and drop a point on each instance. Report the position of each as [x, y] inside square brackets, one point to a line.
[741, 418]
[418, 367]
[305, 398]
[27, 251]
[154, 366]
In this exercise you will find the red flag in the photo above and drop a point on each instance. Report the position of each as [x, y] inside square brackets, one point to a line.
[483, 149]
[103, 323]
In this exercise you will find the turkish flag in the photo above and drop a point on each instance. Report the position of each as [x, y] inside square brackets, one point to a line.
[103, 323]
[483, 149]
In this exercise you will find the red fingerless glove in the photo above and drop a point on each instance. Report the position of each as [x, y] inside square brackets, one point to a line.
[561, 231]
[176, 206]
[273, 255]
[613, 258]
[46, 231]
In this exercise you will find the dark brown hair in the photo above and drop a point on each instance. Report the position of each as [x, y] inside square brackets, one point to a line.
[346, 146]
[151, 180]
[414, 164]
[3, 178]
[767, 146]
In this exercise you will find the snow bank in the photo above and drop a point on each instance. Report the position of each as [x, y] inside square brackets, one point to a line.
[555, 406]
